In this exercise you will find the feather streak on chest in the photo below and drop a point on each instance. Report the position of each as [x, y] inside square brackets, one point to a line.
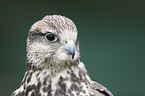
[65, 83]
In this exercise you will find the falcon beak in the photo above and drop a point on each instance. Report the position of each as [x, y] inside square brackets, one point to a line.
[69, 48]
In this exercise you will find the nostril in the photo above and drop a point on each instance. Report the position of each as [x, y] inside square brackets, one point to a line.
[65, 42]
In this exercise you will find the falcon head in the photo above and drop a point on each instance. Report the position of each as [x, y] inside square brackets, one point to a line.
[52, 42]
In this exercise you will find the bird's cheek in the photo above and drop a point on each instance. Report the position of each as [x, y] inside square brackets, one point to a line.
[63, 56]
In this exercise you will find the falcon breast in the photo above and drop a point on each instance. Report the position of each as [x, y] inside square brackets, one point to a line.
[53, 62]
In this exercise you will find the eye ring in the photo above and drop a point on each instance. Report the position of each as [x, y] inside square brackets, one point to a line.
[51, 37]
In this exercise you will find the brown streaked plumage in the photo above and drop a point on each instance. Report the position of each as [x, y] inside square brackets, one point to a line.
[53, 62]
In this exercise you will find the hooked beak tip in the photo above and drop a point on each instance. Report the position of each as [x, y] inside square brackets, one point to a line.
[70, 49]
[73, 55]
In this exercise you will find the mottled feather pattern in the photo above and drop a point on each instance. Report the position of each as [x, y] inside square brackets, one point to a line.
[52, 70]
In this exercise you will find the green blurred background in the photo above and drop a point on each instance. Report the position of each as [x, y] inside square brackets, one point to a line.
[111, 35]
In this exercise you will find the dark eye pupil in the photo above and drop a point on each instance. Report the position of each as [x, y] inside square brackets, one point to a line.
[50, 37]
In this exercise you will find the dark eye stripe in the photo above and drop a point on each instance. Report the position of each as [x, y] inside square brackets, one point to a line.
[36, 33]
[40, 34]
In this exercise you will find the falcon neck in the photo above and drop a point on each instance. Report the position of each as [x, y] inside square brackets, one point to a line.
[58, 71]
[74, 72]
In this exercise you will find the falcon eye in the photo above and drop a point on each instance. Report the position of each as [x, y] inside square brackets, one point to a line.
[51, 37]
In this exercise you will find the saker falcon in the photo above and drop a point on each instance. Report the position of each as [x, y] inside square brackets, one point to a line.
[53, 62]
